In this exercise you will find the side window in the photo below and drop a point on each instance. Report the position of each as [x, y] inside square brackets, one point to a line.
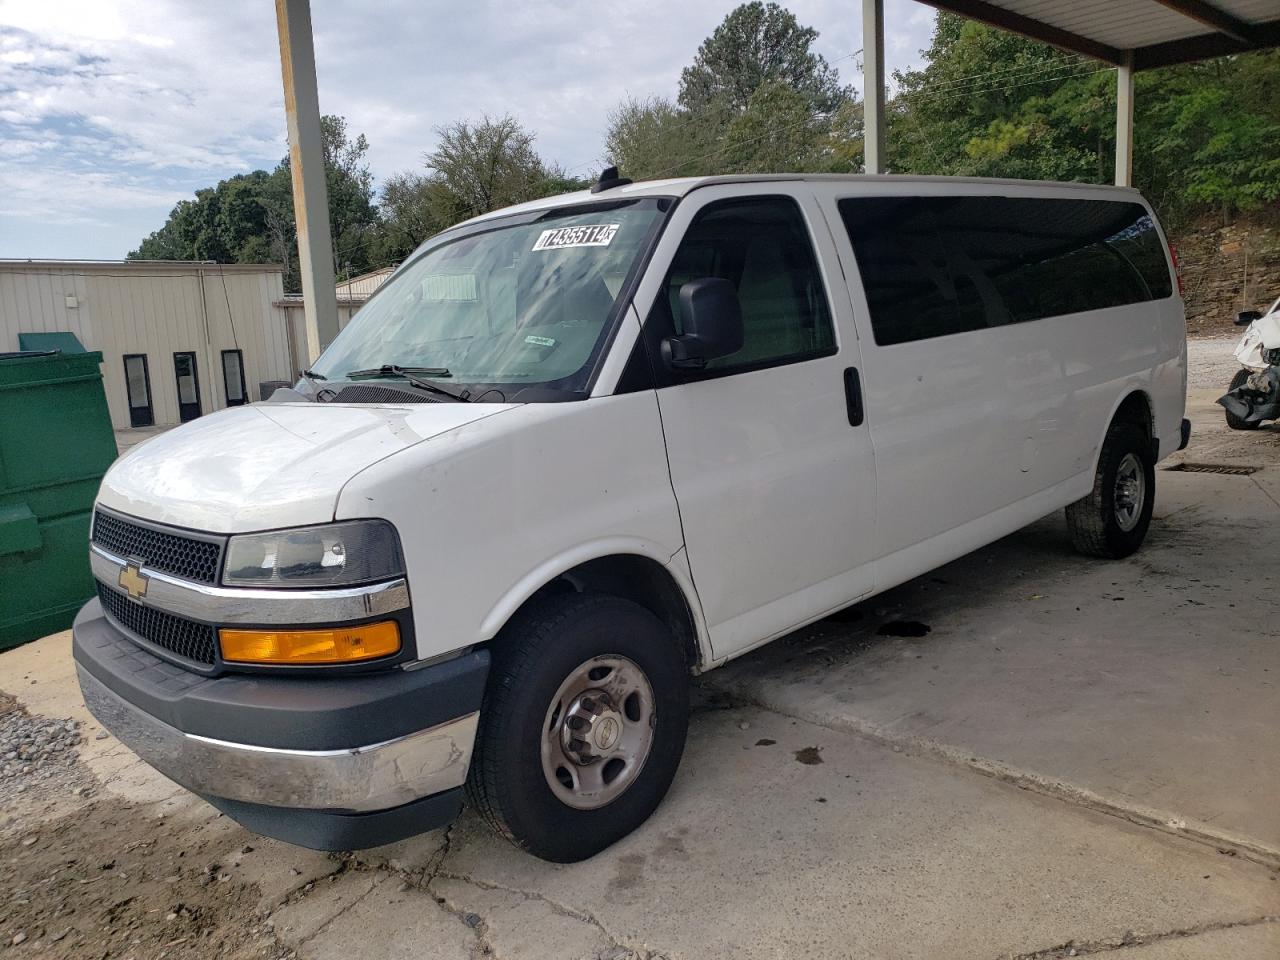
[933, 266]
[762, 246]
[912, 286]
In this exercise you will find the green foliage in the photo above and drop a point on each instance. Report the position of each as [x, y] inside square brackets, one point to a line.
[755, 45]
[991, 103]
[249, 218]
[755, 99]
[487, 165]
[653, 137]
[776, 132]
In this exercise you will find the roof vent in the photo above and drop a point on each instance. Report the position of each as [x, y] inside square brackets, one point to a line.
[609, 179]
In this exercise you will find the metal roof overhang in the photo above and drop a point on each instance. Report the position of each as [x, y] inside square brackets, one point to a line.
[1139, 33]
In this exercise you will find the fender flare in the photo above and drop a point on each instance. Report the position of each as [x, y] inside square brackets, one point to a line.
[1133, 385]
[518, 593]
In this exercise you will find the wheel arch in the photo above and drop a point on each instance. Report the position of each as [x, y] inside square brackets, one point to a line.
[1134, 405]
[627, 570]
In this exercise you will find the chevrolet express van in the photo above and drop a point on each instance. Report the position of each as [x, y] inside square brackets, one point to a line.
[573, 451]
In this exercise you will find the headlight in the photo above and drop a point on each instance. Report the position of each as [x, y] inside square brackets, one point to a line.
[336, 554]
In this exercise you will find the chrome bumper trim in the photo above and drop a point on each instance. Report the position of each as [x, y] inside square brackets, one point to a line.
[226, 605]
[359, 779]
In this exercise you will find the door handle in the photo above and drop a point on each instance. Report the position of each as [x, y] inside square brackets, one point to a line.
[853, 396]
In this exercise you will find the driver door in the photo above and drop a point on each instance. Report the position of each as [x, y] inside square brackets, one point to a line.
[770, 459]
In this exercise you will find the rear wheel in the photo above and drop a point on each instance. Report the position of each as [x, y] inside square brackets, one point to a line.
[1234, 422]
[582, 726]
[1112, 520]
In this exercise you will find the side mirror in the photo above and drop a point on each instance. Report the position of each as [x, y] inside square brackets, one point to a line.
[1246, 317]
[712, 320]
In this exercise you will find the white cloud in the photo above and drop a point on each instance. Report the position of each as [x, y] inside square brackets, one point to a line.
[109, 113]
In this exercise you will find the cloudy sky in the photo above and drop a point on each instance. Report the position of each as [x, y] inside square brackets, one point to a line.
[113, 110]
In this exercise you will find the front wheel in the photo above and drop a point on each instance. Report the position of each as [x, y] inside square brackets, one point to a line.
[582, 726]
[1234, 422]
[1112, 520]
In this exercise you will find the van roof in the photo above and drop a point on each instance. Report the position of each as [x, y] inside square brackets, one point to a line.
[680, 186]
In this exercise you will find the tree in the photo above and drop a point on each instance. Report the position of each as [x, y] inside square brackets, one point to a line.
[652, 137]
[414, 207]
[249, 218]
[756, 98]
[487, 165]
[758, 44]
[775, 133]
[990, 103]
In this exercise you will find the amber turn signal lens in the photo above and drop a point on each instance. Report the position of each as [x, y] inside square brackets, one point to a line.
[334, 645]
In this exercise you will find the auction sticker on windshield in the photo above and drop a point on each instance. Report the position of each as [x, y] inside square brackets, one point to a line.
[588, 235]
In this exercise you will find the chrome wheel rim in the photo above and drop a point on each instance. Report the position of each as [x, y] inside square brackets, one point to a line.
[598, 732]
[1130, 492]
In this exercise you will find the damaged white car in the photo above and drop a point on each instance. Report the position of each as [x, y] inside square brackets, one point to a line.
[1254, 394]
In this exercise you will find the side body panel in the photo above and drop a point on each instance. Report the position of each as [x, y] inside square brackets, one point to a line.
[981, 432]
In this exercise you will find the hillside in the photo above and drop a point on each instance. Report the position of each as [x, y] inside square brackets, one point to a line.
[1226, 269]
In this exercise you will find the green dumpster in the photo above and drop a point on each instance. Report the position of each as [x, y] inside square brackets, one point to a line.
[56, 443]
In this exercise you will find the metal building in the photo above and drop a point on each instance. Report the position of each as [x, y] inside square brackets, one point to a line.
[351, 295]
[178, 339]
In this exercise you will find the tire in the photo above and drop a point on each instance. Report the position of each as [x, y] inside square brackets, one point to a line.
[1112, 521]
[534, 709]
[1234, 422]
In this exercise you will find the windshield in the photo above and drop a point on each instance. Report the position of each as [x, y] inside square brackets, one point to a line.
[522, 303]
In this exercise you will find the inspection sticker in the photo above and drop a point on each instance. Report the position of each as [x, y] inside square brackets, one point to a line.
[591, 235]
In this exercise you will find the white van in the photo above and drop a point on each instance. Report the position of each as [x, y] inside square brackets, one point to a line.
[575, 450]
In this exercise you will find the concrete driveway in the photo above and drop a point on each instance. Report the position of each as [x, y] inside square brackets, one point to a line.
[1077, 758]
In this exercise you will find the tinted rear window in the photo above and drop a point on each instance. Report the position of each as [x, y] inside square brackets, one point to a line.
[933, 266]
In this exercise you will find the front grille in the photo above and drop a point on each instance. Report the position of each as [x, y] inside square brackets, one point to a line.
[185, 638]
[185, 557]
[374, 394]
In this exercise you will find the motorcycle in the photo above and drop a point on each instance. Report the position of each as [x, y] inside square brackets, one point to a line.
[1254, 394]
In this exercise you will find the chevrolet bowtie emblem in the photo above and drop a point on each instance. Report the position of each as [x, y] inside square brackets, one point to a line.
[133, 581]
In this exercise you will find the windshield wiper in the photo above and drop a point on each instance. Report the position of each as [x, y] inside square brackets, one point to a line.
[395, 370]
[312, 378]
[414, 376]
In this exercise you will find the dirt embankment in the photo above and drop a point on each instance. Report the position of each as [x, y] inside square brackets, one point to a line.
[1226, 269]
[112, 879]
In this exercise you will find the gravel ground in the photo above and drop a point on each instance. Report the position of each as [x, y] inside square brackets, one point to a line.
[34, 750]
[111, 879]
[1210, 363]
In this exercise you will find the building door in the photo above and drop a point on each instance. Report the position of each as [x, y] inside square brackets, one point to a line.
[137, 384]
[233, 377]
[184, 369]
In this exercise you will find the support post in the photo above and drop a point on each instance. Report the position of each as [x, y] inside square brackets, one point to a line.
[873, 86]
[306, 162]
[1124, 122]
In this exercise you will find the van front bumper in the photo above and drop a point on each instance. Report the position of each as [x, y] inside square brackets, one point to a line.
[332, 763]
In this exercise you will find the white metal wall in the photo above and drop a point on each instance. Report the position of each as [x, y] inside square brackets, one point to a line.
[362, 287]
[296, 324]
[156, 309]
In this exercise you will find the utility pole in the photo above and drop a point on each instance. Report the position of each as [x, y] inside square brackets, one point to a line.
[306, 164]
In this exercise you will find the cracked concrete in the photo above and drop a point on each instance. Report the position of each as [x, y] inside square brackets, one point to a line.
[1248, 938]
